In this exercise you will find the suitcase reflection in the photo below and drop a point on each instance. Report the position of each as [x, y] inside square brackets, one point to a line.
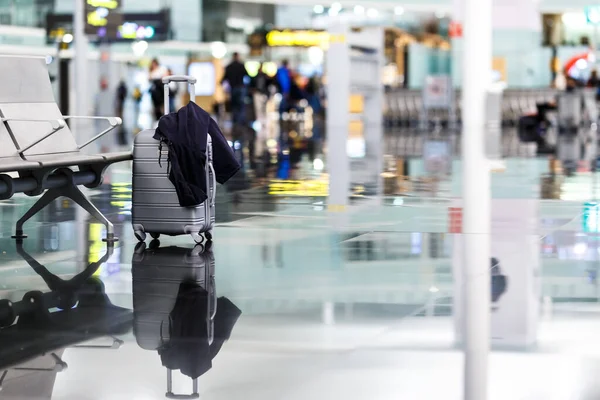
[176, 309]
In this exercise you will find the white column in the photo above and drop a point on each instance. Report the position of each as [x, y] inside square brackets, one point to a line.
[80, 61]
[338, 114]
[476, 63]
[328, 313]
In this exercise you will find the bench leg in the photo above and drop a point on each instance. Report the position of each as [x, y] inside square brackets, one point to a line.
[73, 193]
[42, 202]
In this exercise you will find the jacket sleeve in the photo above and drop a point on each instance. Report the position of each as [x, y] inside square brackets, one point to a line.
[223, 158]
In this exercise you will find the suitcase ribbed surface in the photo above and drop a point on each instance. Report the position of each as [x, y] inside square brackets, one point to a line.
[155, 205]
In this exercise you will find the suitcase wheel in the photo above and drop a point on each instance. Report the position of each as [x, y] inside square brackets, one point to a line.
[208, 235]
[155, 235]
[198, 238]
[140, 235]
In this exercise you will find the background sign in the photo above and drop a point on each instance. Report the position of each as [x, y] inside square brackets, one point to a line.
[102, 17]
[288, 38]
[205, 75]
[437, 92]
[133, 26]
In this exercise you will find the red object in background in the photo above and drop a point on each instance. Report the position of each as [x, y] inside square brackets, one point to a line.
[103, 83]
[455, 217]
[572, 61]
[455, 30]
[583, 166]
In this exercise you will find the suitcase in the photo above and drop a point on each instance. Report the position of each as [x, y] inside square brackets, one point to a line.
[157, 274]
[155, 205]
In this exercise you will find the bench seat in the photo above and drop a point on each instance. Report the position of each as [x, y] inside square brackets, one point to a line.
[117, 156]
[10, 164]
[34, 137]
[66, 160]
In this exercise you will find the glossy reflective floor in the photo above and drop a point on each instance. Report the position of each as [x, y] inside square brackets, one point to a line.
[288, 302]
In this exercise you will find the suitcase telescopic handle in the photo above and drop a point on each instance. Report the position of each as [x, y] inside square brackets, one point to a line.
[190, 80]
[179, 78]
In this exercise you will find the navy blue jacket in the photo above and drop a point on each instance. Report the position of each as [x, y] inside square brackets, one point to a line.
[185, 132]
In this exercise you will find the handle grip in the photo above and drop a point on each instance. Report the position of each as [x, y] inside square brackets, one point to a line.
[179, 78]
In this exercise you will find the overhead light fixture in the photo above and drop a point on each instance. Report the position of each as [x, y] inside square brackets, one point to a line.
[67, 38]
[372, 13]
[318, 9]
[218, 50]
[335, 9]
[359, 10]
[398, 10]
[139, 48]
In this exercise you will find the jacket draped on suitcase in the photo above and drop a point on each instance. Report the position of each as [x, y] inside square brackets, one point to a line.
[185, 133]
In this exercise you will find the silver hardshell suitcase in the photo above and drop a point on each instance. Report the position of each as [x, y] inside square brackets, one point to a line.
[155, 209]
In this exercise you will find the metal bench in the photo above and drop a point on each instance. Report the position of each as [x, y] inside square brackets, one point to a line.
[36, 143]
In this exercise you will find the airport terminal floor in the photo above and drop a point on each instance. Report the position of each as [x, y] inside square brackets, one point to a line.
[301, 303]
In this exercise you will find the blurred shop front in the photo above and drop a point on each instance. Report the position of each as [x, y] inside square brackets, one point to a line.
[295, 132]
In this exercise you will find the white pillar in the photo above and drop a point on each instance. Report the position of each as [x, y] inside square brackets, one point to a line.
[80, 61]
[338, 114]
[328, 313]
[476, 63]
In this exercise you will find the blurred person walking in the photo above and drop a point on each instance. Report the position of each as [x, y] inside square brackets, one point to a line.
[261, 82]
[594, 83]
[120, 110]
[157, 94]
[173, 90]
[283, 80]
[313, 95]
[235, 76]
[259, 87]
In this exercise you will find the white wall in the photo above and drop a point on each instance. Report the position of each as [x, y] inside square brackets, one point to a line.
[291, 16]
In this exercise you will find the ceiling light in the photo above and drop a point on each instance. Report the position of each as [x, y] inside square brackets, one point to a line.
[335, 9]
[372, 13]
[67, 38]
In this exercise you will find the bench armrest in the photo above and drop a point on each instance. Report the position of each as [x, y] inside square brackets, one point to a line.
[56, 124]
[113, 121]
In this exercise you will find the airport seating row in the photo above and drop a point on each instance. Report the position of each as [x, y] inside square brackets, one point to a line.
[404, 108]
[39, 154]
